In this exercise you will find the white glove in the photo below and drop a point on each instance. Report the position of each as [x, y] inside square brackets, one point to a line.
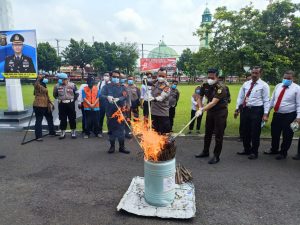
[150, 99]
[110, 99]
[116, 100]
[199, 112]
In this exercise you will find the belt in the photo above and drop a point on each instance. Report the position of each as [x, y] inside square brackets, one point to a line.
[254, 107]
[65, 101]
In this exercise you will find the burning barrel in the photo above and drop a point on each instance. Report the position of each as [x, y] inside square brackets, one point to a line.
[160, 182]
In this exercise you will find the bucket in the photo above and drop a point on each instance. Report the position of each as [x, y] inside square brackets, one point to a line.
[159, 182]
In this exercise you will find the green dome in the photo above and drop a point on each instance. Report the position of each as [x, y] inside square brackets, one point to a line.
[163, 51]
[207, 12]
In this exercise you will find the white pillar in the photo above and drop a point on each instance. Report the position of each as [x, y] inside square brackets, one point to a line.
[13, 86]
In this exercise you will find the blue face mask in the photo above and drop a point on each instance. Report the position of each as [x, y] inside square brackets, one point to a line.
[174, 86]
[197, 91]
[60, 81]
[122, 81]
[130, 82]
[115, 80]
[45, 81]
[287, 82]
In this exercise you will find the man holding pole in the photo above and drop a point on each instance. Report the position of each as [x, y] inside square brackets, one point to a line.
[217, 112]
[115, 96]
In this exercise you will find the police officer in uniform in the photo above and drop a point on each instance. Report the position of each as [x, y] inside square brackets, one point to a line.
[18, 63]
[217, 112]
[66, 93]
[113, 93]
[160, 103]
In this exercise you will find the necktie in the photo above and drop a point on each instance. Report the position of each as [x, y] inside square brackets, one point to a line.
[279, 99]
[248, 94]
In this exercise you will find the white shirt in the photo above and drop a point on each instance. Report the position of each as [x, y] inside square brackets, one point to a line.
[259, 95]
[195, 103]
[144, 93]
[79, 99]
[290, 101]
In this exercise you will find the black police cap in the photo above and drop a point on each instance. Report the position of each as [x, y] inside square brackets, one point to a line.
[17, 38]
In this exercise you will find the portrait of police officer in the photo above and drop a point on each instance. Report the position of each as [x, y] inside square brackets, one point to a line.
[217, 112]
[18, 63]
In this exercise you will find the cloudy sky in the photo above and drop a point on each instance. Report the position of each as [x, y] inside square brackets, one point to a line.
[142, 21]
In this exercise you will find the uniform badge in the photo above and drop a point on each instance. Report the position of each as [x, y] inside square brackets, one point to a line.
[219, 91]
[17, 37]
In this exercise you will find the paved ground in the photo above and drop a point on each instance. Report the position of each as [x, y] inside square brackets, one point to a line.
[77, 183]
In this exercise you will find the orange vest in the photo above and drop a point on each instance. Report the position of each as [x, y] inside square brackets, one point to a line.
[91, 95]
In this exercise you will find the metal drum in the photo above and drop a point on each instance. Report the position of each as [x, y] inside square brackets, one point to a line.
[160, 182]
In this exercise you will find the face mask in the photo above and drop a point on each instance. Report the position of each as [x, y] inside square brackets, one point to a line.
[287, 82]
[174, 86]
[60, 81]
[130, 82]
[106, 78]
[211, 81]
[197, 91]
[161, 79]
[45, 81]
[122, 81]
[115, 80]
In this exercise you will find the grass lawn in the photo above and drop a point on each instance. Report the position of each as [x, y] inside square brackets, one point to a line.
[182, 112]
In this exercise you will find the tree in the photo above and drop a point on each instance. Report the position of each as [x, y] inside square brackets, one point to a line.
[79, 54]
[186, 64]
[47, 58]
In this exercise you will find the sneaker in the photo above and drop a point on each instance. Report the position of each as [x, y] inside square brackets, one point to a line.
[190, 132]
[39, 139]
[99, 136]
[85, 136]
[73, 134]
[62, 135]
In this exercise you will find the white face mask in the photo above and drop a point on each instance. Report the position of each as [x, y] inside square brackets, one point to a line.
[211, 81]
[106, 78]
[160, 79]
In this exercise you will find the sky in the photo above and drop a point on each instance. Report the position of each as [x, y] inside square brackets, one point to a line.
[141, 21]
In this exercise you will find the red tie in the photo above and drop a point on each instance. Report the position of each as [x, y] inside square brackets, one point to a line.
[279, 99]
[248, 94]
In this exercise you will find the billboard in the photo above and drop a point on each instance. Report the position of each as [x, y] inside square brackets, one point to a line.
[150, 64]
[18, 56]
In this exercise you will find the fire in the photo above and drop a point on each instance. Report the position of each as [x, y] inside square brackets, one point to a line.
[151, 142]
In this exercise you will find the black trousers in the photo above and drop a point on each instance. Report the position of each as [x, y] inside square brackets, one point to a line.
[101, 118]
[67, 111]
[299, 146]
[41, 112]
[252, 128]
[215, 123]
[161, 124]
[91, 122]
[172, 112]
[146, 108]
[242, 124]
[83, 118]
[198, 124]
[281, 125]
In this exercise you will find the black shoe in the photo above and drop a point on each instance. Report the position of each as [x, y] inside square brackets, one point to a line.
[243, 153]
[122, 148]
[296, 157]
[111, 149]
[271, 152]
[280, 157]
[202, 155]
[240, 139]
[252, 156]
[214, 160]
[2, 156]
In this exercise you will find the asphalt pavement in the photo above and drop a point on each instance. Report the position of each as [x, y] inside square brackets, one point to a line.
[75, 182]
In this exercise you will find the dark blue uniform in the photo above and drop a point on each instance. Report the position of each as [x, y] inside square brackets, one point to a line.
[116, 130]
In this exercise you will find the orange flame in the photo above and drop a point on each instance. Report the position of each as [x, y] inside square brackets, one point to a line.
[151, 142]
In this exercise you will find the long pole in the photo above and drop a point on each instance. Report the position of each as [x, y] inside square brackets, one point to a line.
[180, 132]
